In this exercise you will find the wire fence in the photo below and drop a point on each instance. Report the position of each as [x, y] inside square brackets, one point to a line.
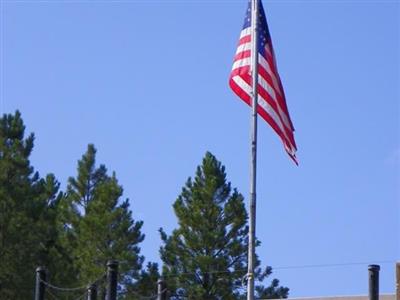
[54, 292]
[70, 293]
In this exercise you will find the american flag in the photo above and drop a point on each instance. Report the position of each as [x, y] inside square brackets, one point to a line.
[271, 97]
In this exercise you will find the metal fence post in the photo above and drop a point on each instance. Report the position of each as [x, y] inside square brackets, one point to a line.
[92, 292]
[373, 279]
[161, 290]
[40, 286]
[112, 279]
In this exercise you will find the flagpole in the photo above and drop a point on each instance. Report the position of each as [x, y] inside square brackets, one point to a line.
[253, 168]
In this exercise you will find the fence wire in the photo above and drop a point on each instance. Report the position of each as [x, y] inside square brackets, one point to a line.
[69, 293]
[80, 292]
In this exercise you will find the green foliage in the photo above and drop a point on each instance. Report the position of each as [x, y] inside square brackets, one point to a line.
[74, 234]
[98, 225]
[205, 258]
[27, 212]
[273, 291]
[146, 285]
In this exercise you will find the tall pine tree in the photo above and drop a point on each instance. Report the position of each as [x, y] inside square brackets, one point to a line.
[99, 225]
[205, 258]
[27, 212]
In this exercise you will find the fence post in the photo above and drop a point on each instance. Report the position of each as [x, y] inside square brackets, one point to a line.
[161, 289]
[92, 292]
[40, 286]
[373, 276]
[112, 279]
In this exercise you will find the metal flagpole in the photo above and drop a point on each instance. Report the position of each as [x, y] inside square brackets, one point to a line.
[253, 168]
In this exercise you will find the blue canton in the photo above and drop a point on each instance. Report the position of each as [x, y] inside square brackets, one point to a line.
[263, 32]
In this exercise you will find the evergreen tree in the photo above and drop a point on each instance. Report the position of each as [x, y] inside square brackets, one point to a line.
[98, 225]
[146, 286]
[205, 258]
[273, 291]
[71, 234]
[27, 212]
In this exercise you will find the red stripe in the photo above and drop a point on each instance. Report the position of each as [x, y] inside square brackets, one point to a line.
[243, 54]
[240, 71]
[240, 92]
[245, 39]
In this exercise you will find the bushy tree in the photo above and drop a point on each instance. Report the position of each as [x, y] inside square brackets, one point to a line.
[205, 258]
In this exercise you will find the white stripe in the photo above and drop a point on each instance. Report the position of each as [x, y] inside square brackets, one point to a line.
[266, 86]
[265, 64]
[243, 47]
[264, 105]
[241, 63]
[244, 32]
[242, 84]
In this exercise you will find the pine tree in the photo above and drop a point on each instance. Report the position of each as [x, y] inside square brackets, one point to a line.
[273, 291]
[99, 225]
[27, 212]
[146, 286]
[205, 258]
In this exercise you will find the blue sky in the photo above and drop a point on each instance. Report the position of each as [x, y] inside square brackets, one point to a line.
[147, 83]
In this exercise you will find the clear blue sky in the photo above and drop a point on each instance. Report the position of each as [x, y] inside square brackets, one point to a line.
[147, 83]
